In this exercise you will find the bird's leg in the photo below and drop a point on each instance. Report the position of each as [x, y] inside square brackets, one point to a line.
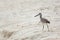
[43, 26]
[47, 26]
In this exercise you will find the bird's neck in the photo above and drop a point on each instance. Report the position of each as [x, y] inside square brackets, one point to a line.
[40, 16]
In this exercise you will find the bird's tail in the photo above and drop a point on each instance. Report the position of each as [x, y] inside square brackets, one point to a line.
[49, 22]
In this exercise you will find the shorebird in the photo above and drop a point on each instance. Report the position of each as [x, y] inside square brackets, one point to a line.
[43, 20]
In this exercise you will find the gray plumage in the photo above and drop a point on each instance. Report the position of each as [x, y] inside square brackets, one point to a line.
[43, 20]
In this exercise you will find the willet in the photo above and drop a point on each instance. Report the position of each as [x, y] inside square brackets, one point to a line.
[43, 20]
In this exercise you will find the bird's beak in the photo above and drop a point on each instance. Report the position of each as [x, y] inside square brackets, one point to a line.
[36, 15]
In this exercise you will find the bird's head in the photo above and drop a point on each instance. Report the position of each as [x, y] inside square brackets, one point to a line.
[40, 13]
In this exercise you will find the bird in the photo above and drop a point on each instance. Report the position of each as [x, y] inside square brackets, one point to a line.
[43, 20]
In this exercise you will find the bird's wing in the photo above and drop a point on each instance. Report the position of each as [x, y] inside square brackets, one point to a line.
[46, 20]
